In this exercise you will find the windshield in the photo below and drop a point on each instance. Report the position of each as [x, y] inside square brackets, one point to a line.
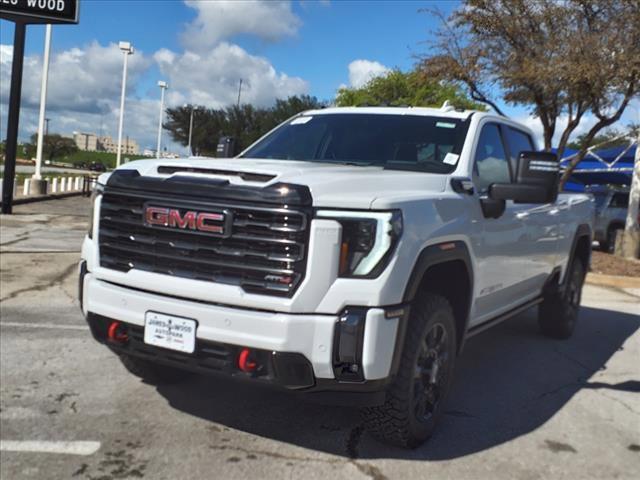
[404, 142]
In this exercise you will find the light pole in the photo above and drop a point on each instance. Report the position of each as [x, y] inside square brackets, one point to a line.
[193, 109]
[127, 49]
[163, 86]
[37, 185]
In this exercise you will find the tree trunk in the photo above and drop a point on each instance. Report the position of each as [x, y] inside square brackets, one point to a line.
[630, 247]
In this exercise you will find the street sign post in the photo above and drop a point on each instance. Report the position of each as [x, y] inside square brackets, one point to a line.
[40, 11]
[22, 13]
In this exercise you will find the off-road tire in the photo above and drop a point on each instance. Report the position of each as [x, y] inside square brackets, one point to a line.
[151, 372]
[558, 312]
[396, 421]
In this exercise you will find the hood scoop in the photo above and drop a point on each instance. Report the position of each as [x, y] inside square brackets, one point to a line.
[202, 187]
[246, 176]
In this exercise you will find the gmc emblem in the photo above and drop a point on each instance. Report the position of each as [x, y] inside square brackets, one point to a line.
[205, 222]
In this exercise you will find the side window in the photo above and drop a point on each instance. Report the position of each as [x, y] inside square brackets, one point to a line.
[491, 164]
[518, 142]
[620, 200]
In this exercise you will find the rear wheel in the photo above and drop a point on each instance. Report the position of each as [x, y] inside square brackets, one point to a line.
[153, 372]
[415, 398]
[558, 312]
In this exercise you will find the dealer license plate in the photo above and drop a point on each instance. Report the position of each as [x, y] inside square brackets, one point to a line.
[167, 331]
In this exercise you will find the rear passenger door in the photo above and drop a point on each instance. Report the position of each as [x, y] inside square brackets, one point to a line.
[540, 221]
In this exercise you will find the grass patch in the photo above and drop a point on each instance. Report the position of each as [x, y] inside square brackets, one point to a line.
[108, 159]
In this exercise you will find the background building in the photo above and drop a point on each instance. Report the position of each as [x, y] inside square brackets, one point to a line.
[87, 142]
[90, 142]
[129, 146]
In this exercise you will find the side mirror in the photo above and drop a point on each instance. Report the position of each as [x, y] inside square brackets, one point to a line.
[226, 147]
[537, 180]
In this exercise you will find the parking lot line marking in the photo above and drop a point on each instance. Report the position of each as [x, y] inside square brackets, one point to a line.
[36, 446]
[52, 326]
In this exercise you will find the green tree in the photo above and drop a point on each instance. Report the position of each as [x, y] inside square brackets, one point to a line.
[405, 88]
[53, 146]
[559, 59]
[208, 127]
[607, 139]
[245, 123]
[285, 109]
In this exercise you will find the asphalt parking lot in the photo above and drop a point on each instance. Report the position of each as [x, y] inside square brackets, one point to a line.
[522, 407]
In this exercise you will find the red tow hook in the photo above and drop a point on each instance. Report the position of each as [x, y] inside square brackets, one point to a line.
[116, 332]
[245, 363]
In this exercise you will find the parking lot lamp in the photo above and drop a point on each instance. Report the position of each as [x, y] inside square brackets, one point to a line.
[163, 86]
[193, 109]
[127, 49]
[43, 102]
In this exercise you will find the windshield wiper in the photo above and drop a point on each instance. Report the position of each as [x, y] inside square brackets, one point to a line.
[351, 164]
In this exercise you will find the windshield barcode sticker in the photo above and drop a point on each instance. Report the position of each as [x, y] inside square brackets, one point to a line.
[450, 159]
[300, 120]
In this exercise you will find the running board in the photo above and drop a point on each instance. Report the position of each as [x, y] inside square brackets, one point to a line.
[501, 318]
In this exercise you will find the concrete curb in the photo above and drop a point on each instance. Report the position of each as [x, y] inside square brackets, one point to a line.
[615, 281]
[40, 198]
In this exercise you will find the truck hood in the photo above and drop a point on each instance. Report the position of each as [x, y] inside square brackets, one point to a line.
[334, 186]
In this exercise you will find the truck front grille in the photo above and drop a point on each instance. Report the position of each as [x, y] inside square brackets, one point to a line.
[263, 250]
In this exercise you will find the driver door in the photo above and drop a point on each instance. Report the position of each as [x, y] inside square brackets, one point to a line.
[502, 245]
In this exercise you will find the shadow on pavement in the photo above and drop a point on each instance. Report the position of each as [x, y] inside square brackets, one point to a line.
[509, 381]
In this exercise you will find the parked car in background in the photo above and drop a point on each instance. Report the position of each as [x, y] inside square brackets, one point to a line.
[97, 167]
[611, 214]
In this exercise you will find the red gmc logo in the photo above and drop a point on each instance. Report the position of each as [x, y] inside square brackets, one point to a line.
[206, 222]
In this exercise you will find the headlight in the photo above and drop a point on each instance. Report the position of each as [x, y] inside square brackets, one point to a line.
[97, 192]
[368, 239]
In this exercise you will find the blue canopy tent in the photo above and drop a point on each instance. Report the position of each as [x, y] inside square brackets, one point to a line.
[609, 166]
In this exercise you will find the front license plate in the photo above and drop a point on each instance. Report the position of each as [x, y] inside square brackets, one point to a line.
[167, 331]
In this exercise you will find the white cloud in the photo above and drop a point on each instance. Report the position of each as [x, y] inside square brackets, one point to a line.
[83, 80]
[209, 70]
[361, 71]
[6, 55]
[211, 78]
[84, 83]
[222, 19]
[84, 86]
[83, 92]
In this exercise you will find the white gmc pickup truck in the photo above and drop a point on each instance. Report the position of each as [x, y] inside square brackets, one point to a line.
[347, 254]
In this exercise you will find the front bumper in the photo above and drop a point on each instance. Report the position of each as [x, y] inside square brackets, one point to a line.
[298, 340]
[290, 370]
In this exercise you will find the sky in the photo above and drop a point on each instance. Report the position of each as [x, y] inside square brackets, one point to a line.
[203, 48]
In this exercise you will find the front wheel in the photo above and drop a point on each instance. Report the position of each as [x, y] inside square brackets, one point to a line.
[416, 396]
[558, 312]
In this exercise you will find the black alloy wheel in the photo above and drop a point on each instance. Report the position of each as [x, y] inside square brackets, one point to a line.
[431, 372]
[418, 391]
